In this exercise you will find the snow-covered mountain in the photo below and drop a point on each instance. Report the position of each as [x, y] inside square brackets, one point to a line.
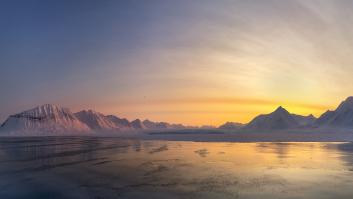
[341, 117]
[231, 125]
[137, 124]
[53, 120]
[96, 121]
[45, 119]
[121, 123]
[279, 119]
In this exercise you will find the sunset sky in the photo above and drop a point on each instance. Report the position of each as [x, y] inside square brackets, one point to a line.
[184, 61]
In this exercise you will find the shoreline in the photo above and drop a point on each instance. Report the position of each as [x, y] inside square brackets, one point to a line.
[216, 136]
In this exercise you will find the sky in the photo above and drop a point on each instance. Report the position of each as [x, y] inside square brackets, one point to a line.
[194, 62]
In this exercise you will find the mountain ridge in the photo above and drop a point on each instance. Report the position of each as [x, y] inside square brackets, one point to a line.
[46, 118]
[54, 119]
[278, 119]
[342, 116]
[96, 120]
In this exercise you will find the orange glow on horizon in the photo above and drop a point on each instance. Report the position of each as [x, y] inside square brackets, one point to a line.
[205, 111]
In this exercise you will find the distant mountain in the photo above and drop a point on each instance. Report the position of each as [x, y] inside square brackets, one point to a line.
[96, 121]
[148, 124]
[121, 123]
[207, 127]
[231, 126]
[324, 118]
[279, 119]
[155, 125]
[137, 124]
[178, 126]
[304, 121]
[54, 120]
[46, 119]
[341, 117]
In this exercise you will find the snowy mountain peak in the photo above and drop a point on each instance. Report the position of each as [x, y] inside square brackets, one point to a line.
[46, 111]
[96, 120]
[121, 123]
[89, 111]
[45, 119]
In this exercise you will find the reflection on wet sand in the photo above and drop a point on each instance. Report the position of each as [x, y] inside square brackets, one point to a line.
[87, 167]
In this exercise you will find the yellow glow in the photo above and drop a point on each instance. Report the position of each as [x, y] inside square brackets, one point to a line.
[235, 72]
[213, 111]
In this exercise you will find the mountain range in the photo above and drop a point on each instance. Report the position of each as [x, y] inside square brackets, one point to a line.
[50, 119]
[54, 120]
[342, 118]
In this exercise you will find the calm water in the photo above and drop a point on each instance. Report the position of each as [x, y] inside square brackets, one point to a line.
[116, 168]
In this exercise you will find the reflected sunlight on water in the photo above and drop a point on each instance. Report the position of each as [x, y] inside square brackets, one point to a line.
[116, 168]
